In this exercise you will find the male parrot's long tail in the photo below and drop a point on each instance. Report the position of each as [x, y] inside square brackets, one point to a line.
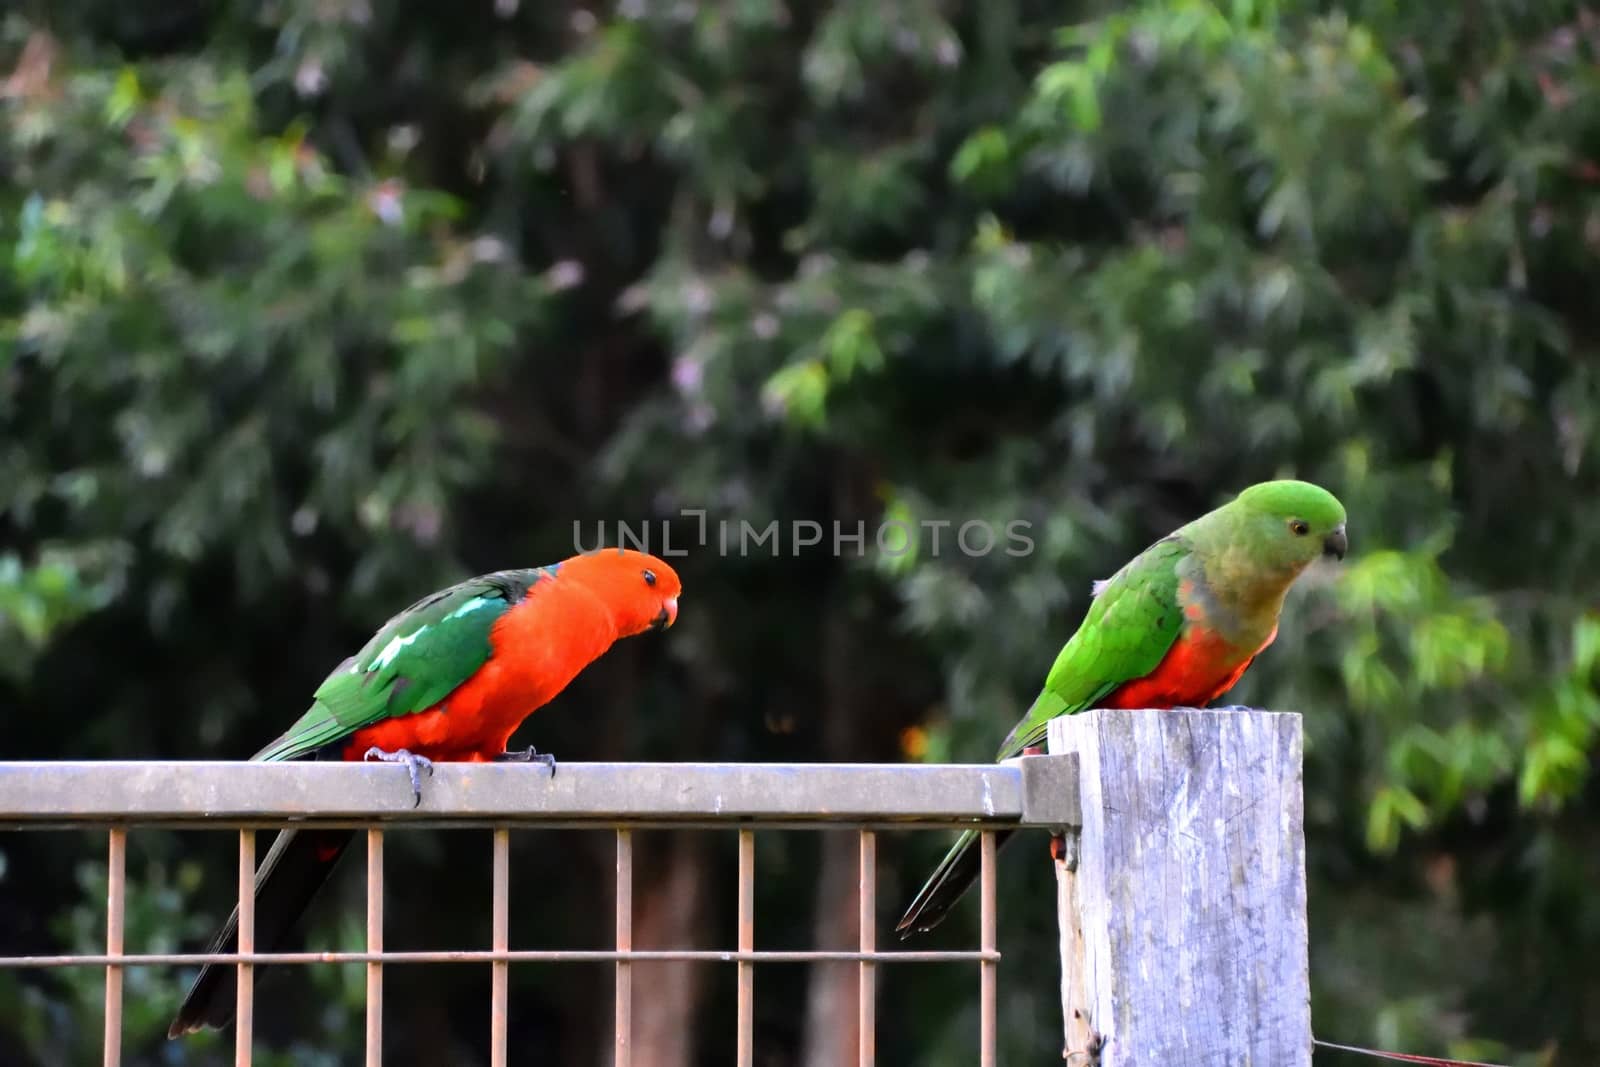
[953, 877]
[296, 865]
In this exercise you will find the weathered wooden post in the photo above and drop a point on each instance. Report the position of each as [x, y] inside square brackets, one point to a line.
[1183, 897]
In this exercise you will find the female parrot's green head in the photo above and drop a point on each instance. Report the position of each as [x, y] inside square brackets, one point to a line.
[1289, 524]
[1252, 548]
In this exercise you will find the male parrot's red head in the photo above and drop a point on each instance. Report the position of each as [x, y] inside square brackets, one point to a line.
[641, 589]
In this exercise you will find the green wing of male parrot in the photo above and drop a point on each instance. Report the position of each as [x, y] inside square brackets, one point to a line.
[1129, 628]
[416, 660]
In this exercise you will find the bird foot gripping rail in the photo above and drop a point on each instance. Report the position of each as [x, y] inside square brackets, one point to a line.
[119, 797]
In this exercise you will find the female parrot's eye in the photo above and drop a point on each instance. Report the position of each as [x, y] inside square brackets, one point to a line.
[1300, 527]
[649, 577]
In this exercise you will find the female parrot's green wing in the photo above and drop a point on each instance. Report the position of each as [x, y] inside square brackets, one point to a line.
[416, 660]
[1130, 626]
[1133, 621]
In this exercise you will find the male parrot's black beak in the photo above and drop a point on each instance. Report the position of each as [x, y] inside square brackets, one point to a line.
[1336, 544]
[667, 615]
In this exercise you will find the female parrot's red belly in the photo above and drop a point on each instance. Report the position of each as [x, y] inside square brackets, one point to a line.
[1199, 667]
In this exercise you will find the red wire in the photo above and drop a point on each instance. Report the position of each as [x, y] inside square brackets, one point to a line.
[1404, 1057]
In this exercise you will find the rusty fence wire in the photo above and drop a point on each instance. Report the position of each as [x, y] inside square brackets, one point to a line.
[743, 798]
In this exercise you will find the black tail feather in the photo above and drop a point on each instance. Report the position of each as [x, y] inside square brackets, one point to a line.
[295, 867]
[946, 885]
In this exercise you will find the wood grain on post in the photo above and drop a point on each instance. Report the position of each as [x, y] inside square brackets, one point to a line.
[1183, 899]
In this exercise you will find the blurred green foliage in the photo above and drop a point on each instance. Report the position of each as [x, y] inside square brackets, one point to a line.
[313, 305]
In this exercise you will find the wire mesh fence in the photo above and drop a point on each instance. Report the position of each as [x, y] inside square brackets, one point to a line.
[737, 798]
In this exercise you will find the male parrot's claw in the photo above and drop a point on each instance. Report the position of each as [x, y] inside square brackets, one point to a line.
[528, 755]
[1234, 707]
[415, 765]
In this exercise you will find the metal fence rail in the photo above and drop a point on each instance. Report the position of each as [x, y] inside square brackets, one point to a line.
[1031, 790]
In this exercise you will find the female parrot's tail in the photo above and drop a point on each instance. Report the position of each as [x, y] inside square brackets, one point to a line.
[954, 875]
[296, 865]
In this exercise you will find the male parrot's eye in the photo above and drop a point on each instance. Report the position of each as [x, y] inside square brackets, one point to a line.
[1300, 527]
[649, 577]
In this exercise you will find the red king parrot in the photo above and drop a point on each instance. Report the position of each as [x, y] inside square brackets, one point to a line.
[1176, 627]
[449, 678]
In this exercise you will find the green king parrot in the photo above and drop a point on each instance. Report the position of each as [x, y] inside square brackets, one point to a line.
[1175, 627]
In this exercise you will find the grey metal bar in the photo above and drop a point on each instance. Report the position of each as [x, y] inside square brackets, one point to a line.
[173, 959]
[375, 945]
[747, 942]
[116, 886]
[518, 822]
[244, 1009]
[622, 1027]
[502, 940]
[37, 794]
[989, 969]
[1037, 790]
[1049, 789]
[867, 933]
